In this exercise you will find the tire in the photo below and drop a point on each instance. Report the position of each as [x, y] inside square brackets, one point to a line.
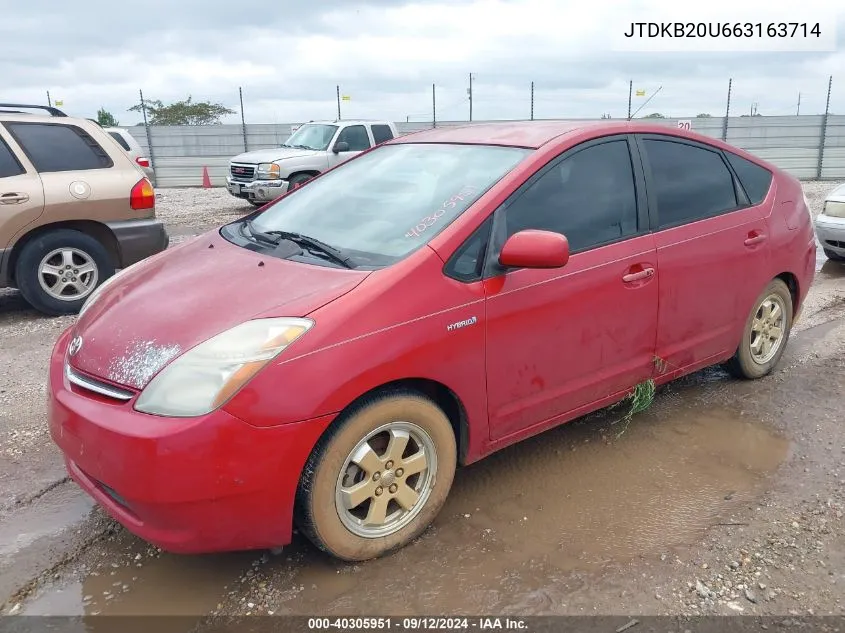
[320, 512]
[297, 180]
[834, 257]
[256, 203]
[51, 250]
[748, 364]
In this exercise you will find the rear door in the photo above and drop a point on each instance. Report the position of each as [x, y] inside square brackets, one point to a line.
[559, 341]
[73, 166]
[356, 137]
[21, 192]
[712, 251]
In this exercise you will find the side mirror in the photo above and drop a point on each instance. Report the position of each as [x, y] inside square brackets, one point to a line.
[535, 249]
[341, 146]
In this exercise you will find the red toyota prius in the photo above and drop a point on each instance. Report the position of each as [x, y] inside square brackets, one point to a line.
[330, 359]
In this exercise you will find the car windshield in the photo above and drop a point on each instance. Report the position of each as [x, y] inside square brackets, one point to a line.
[312, 136]
[385, 204]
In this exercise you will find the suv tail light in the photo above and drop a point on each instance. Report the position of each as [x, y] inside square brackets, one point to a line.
[143, 162]
[142, 195]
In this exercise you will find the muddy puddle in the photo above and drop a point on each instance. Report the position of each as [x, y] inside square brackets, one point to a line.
[517, 527]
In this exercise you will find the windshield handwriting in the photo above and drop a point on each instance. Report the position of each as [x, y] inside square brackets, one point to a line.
[429, 220]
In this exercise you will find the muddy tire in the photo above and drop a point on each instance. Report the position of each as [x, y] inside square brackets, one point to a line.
[299, 180]
[378, 477]
[57, 271]
[834, 257]
[765, 335]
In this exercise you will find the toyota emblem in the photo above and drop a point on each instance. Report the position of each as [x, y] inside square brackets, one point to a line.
[75, 345]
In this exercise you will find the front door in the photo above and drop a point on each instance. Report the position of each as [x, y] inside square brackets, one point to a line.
[559, 341]
[711, 249]
[358, 140]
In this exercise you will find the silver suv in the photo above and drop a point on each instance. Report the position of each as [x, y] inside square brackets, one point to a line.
[264, 175]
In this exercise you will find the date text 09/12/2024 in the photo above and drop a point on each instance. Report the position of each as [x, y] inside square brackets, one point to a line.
[724, 29]
[416, 624]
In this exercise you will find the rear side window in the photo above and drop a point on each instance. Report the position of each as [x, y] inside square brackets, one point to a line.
[53, 147]
[121, 141]
[755, 180]
[381, 133]
[9, 165]
[691, 183]
[356, 136]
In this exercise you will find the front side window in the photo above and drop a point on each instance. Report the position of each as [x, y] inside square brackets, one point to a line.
[589, 196]
[691, 183]
[315, 136]
[382, 206]
[356, 136]
[53, 147]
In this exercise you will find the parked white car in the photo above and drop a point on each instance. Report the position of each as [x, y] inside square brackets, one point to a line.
[830, 225]
[264, 175]
[133, 148]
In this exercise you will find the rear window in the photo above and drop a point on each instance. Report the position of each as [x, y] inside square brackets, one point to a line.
[755, 180]
[382, 133]
[54, 147]
[119, 138]
[9, 165]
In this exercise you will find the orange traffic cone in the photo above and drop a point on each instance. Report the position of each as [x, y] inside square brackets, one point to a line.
[206, 181]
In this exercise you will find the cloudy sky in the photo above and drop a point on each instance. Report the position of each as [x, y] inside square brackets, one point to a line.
[289, 56]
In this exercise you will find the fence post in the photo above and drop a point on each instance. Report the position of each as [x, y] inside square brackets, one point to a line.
[149, 136]
[243, 120]
[823, 135]
[433, 107]
[49, 101]
[532, 100]
[630, 90]
[727, 113]
[338, 102]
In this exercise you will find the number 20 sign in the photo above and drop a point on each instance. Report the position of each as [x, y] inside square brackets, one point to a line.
[685, 125]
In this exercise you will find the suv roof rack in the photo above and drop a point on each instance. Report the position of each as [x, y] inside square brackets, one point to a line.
[53, 111]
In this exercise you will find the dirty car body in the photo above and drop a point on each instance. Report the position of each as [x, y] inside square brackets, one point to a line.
[503, 279]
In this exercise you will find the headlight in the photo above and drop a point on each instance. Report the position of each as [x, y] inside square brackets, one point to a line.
[98, 291]
[207, 376]
[834, 209]
[269, 171]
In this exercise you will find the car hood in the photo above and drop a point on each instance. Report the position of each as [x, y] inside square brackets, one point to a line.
[837, 195]
[271, 155]
[167, 304]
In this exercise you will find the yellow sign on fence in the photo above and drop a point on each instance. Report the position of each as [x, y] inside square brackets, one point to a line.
[640, 93]
[346, 98]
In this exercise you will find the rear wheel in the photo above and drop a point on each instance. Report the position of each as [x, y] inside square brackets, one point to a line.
[57, 271]
[376, 480]
[766, 333]
[833, 256]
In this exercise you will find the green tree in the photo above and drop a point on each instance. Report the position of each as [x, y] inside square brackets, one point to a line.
[655, 115]
[106, 118]
[702, 116]
[187, 112]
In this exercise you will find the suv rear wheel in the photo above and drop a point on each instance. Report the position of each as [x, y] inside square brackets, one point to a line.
[58, 270]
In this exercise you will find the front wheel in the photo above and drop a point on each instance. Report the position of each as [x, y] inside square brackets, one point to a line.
[378, 478]
[766, 333]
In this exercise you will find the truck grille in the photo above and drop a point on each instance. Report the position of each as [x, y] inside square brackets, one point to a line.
[242, 173]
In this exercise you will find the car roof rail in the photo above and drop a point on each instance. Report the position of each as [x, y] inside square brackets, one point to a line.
[53, 111]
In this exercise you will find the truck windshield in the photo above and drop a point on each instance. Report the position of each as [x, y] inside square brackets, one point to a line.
[380, 207]
[312, 136]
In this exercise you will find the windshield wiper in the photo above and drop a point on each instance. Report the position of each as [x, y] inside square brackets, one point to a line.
[302, 147]
[275, 237]
[338, 255]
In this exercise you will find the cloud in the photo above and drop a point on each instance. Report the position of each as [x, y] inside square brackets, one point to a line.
[386, 56]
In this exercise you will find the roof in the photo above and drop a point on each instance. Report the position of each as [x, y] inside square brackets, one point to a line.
[531, 134]
[348, 122]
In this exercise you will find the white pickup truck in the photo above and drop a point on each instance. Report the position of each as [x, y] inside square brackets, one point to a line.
[264, 175]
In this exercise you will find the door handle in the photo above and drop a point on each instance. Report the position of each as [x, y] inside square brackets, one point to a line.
[13, 198]
[645, 273]
[755, 239]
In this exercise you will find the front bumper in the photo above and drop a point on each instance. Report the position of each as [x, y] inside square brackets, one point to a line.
[199, 485]
[831, 233]
[138, 239]
[257, 190]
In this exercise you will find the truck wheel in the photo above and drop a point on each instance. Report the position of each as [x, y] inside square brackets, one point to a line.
[378, 478]
[298, 180]
[834, 257]
[57, 271]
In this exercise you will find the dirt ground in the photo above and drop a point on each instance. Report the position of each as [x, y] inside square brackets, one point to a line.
[724, 497]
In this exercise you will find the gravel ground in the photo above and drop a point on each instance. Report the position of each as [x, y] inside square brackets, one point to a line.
[779, 550]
